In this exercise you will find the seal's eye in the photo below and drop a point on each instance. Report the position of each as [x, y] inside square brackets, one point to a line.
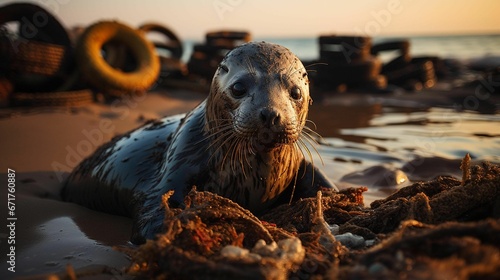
[295, 93]
[224, 67]
[238, 90]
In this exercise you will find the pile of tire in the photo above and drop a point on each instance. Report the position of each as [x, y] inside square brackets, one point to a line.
[36, 59]
[346, 62]
[41, 65]
[169, 52]
[206, 57]
[412, 74]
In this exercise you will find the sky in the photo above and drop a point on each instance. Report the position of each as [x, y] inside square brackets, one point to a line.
[191, 19]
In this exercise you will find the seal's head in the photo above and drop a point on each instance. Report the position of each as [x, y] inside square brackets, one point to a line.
[259, 96]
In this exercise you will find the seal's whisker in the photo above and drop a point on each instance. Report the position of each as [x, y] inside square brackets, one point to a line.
[308, 151]
[217, 128]
[313, 143]
[251, 148]
[315, 64]
[251, 151]
[237, 158]
[311, 159]
[295, 181]
[219, 135]
[234, 154]
[231, 150]
[311, 139]
[216, 123]
[298, 146]
[214, 137]
[313, 123]
[220, 147]
[311, 132]
[242, 157]
[218, 119]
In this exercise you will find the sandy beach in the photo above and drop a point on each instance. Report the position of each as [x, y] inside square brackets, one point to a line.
[43, 144]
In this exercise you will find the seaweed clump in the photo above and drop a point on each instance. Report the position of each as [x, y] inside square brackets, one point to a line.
[445, 228]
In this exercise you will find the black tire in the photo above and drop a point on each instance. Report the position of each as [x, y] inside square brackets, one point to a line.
[344, 49]
[227, 39]
[172, 68]
[344, 55]
[103, 76]
[355, 41]
[52, 31]
[438, 63]
[211, 50]
[204, 67]
[379, 82]
[205, 59]
[35, 60]
[354, 73]
[403, 46]
[396, 64]
[173, 44]
[422, 72]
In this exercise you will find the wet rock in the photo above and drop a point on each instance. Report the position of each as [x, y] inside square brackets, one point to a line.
[378, 176]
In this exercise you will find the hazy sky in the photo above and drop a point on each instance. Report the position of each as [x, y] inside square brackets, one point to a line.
[288, 18]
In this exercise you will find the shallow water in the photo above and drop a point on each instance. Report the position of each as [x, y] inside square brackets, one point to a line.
[384, 147]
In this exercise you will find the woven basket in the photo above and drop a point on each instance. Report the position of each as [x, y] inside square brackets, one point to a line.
[31, 57]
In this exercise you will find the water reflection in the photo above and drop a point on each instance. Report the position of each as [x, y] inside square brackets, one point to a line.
[377, 145]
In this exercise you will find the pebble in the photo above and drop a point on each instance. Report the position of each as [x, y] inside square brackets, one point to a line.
[350, 240]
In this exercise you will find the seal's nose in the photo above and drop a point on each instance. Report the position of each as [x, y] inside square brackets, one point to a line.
[269, 117]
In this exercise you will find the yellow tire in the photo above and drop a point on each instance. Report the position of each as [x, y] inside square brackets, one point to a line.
[103, 76]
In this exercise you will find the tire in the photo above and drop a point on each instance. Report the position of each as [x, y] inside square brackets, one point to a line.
[172, 68]
[438, 63]
[403, 46]
[355, 41]
[205, 59]
[344, 49]
[352, 74]
[396, 64]
[227, 39]
[379, 82]
[422, 72]
[38, 60]
[344, 55]
[173, 44]
[102, 75]
[204, 67]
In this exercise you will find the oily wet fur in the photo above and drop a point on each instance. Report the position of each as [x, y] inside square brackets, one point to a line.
[246, 142]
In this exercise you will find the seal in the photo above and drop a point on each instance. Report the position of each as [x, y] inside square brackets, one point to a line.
[247, 141]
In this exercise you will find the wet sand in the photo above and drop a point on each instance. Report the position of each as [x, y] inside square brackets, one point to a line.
[43, 144]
